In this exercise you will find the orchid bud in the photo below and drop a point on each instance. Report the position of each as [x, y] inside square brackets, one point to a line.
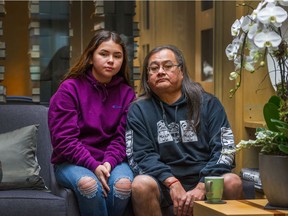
[233, 75]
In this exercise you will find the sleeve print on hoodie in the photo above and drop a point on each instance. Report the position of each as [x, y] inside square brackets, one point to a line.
[227, 141]
[129, 152]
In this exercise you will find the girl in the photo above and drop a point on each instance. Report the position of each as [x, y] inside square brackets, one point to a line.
[87, 120]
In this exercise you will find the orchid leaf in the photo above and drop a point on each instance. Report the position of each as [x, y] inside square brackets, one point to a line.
[275, 100]
[283, 148]
[270, 111]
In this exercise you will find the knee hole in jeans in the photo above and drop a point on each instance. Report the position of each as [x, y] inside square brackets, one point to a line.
[87, 186]
[122, 188]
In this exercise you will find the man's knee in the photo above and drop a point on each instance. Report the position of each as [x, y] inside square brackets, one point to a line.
[87, 186]
[145, 196]
[144, 184]
[122, 188]
[232, 186]
[232, 180]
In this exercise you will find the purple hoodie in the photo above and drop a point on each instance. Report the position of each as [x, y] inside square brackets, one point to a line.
[87, 121]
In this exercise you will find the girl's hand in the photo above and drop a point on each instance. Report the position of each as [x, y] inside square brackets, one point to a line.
[103, 174]
[108, 166]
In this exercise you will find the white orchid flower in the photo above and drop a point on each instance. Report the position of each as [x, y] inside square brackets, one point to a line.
[246, 24]
[267, 39]
[232, 49]
[256, 11]
[259, 37]
[252, 30]
[272, 14]
[235, 28]
[249, 63]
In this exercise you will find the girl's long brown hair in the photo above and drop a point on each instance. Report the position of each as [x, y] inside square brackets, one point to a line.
[83, 64]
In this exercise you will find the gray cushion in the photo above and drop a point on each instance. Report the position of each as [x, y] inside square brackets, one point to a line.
[20, 167]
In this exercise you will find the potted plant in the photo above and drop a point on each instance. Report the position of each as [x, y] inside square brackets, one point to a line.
[260, 37]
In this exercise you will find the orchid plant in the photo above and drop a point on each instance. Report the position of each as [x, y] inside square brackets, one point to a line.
[257, 36]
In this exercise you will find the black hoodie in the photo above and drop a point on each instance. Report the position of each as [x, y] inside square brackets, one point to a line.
[162, 143]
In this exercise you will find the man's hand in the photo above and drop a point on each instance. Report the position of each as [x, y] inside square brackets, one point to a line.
[183, 201]
[198, 193]
[178, 196]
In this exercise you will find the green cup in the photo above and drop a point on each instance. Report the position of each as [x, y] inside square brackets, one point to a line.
[214, 189]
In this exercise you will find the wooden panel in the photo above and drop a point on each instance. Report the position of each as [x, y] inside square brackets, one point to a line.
[205, 20]
[171, 22]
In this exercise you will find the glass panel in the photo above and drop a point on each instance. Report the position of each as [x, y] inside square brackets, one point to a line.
[207, 55]
[147, 14]
[51, 45]
[206, 4]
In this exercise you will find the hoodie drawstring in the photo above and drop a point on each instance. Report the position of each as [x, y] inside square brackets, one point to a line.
[164, 113]
[101, 88]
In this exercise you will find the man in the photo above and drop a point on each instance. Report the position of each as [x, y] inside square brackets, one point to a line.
[176, 135]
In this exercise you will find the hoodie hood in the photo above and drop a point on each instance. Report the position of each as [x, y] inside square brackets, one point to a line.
[104, 88]
[170, 107]
[180, 101]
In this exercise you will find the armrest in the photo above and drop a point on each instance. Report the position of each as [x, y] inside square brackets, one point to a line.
[248, 189]
[67, 194]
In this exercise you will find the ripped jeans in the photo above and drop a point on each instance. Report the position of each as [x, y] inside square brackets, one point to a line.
[91, 201]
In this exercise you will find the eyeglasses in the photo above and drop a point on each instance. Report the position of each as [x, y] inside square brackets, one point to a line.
[166, 67]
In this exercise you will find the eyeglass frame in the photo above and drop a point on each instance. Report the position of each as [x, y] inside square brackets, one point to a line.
[163, 68]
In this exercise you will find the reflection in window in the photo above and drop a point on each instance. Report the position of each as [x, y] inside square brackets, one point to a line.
[207, 55]
[206, 4]
[146, 14]
[145, 49]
